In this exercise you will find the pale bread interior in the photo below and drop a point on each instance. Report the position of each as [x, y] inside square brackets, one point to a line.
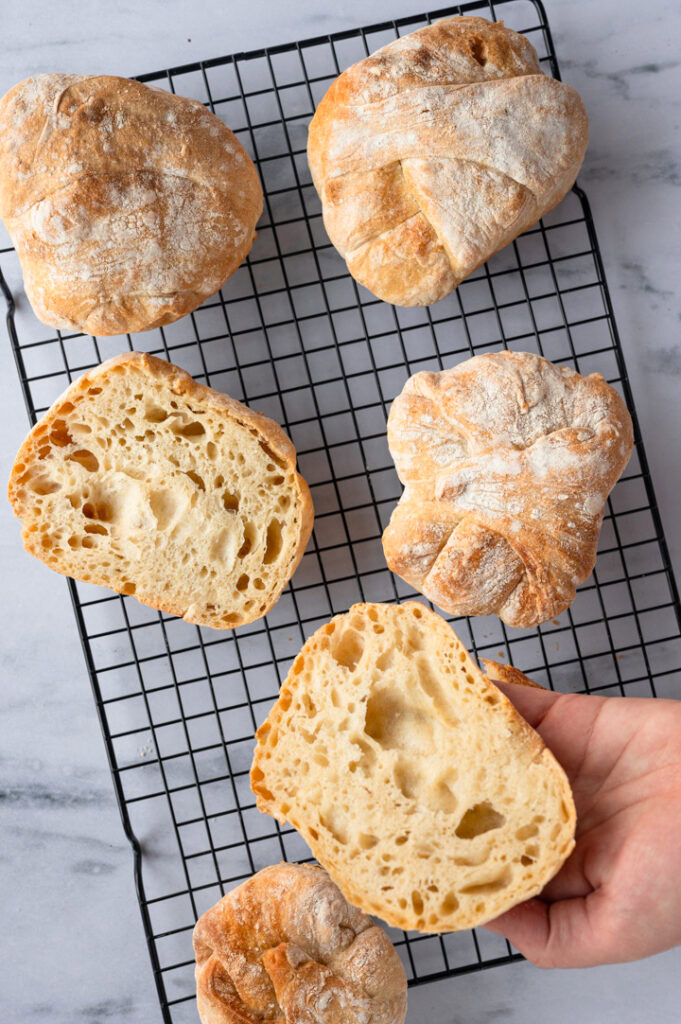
[417, 785]
[141, 480]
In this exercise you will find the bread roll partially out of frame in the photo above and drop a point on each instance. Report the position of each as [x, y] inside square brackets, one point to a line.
[285, 947]
[417, 785]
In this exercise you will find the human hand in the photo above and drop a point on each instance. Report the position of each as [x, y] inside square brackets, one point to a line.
[618, 896]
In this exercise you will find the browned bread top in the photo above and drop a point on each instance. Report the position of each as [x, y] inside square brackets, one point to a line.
[285, 947]
[507, 461]
[437, 150]
[128, 205]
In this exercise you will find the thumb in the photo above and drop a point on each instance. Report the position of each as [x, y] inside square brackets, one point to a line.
[558, 934]
[532, 702]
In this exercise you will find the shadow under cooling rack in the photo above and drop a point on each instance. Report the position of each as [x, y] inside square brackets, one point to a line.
[294, 336]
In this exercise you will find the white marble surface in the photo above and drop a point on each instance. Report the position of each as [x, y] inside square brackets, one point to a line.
[73, 942]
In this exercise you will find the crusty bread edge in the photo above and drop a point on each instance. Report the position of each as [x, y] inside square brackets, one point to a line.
[516, 724]
[183, 385]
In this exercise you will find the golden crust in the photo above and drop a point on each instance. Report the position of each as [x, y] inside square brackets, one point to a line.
[475, 142]
[183, 385]
[507, 461]
[128, 205]
[286, 948]
[498, 673]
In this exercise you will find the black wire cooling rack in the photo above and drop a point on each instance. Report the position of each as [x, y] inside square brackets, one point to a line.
[294, 336]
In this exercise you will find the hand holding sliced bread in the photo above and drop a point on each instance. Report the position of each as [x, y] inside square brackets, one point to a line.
[141, 480]
[416, 784]
[285, 947]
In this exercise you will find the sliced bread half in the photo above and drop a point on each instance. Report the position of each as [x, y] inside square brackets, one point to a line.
[417, 785]
[142, 480]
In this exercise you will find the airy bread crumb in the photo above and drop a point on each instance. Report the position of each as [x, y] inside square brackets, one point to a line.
[141, 480]
[417, 785]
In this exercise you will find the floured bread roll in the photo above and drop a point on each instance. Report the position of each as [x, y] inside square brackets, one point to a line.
[286, 948]
[127, 205]
[416, 783]
[142, 480]
[439, 149]
[506, 461]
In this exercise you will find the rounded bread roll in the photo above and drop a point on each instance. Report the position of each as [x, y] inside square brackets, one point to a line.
[507, 461]
[285, 947]
[127, 205]
[438, 150]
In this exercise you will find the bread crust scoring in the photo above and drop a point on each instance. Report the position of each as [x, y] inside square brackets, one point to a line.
[438, 150]
[507, 461]
[286, 948]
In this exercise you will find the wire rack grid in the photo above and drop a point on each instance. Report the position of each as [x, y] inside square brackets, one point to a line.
[294, 336]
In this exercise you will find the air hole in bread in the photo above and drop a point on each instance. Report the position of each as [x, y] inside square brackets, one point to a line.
[525, 860]
[100, 510]
[243, 581]
[407, 780]
[192, 430]
[367, 758]
[273, 542]
[248, 541]
[334, 822]
[396, 724]
[197, 479]
[526, 832]
[164, 506]
[43, 485]
[230, 501]
[431, 685]
[492, 884]
[367, 841]
[478, 819]
[128, 588]
[477, 47]
[275, 458]
[309, 706]
[156, 414]
[347, 649]
[449, 904]
[417, 902]
[59, 434]
[384, 661]
[443, 797]
[211, 450]
[86, 459]
[96, 528]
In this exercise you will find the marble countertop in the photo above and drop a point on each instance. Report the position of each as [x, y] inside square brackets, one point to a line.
[73, 941]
